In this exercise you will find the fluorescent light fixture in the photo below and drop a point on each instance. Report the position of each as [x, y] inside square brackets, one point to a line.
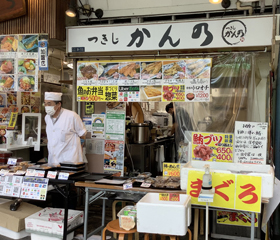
[70, 12]
[70, 65]
[215, 1]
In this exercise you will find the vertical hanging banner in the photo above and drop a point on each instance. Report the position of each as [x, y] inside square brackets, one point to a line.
[216, 147]
[43, 53]
[250, 142]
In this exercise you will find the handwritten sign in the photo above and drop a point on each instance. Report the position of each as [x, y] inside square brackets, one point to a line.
[216, 147]
[250, 142]
[171, 169]
[232, 191]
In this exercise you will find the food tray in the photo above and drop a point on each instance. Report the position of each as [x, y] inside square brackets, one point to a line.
[72, 168]
[90, 176]
[112, 181]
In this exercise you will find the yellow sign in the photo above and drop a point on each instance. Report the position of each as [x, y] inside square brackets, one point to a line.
[13, 120]
[163, 197]
[248, 193]
[194, 186]
[174, 93]
[173, 197]
[224, 185]
[97, 93]
[232, 191]
[171, 169]
[236, 218]
[216, 147]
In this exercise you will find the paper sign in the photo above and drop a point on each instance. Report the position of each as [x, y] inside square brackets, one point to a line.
[63, 176]
[30, 172]
[34, 188]
[250, 142]
[127, 186]
[98, 126]
[216, 147]
[97, 94]
[39, 173]
[88, 123]
[129, 93]
[198, 90]
[248, 193]
[95, 146]
[236, 218]
[232, 191]
[89, 108]
[52, 174]
[174, 197]
[174, 93]
[224, 185]
[145, 185]
[171, 169]
[13, 120]
[12, 161]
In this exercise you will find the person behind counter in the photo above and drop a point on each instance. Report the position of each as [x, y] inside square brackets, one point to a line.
[65, 131]
[181, 125]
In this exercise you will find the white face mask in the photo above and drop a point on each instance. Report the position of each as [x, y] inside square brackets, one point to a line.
[50, 110]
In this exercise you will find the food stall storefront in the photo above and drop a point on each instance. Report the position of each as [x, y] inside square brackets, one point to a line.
[215, 96]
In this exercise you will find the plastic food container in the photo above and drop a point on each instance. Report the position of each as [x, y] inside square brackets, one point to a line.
[127, 217]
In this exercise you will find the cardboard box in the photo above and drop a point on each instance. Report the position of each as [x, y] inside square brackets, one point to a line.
[14, 220]
[49, 221]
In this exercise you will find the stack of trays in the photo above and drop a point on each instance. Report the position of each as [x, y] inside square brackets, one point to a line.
[72, 167]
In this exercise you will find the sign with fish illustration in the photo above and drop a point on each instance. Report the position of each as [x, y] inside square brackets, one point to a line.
[144, 80]
[222, 33]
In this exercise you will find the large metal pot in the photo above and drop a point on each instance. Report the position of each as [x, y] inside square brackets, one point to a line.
[140, 132]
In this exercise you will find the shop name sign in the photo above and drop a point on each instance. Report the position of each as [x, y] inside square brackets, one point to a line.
[242, 32]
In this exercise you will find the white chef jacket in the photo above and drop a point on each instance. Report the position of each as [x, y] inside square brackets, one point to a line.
[64, 137]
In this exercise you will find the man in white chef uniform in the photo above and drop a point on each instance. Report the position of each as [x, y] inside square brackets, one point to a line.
[65, 131]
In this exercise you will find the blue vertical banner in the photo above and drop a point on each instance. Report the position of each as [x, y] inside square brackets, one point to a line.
[43, 55]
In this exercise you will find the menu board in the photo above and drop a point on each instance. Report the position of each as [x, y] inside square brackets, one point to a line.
[181, 80]
[250, 142]
[10, 185]
[34, 188]
[19, 62]
[216, 147]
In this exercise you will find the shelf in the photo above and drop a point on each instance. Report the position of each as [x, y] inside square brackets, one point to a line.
[3, 147]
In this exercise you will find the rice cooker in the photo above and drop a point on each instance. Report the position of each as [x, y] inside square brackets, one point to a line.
[140, 132]
[161, 119]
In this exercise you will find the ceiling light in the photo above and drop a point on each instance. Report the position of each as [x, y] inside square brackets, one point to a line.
[70, 12]
[70, 65]
[215, 1]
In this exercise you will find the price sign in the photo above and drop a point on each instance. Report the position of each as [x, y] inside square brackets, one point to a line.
[52, 174]
[12, 161]
[173, 197]
[63, 176]
[39, 173]
[171, 169]
[163, 196]
[145, 185]
[30, 172]
[127, 186]
[216, 147]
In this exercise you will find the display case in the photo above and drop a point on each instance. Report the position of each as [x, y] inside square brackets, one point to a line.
[31, 130]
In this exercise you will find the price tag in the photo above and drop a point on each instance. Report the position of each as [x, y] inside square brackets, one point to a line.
[52, 174]
[30, 172]
[39, 173]
[163, 197]
[63, 176]
[171, 169]
[12, 161]
[20, 172]
[173, 197]
[4, 172]
[127, 186]
[146, 185]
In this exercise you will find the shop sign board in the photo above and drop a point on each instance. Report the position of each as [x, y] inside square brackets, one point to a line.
[234, 32]
[236, 218]
[232, 191]
[214, 147]
[250, 142]
[176, 80]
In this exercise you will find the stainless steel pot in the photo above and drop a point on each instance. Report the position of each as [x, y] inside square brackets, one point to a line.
[140, 132]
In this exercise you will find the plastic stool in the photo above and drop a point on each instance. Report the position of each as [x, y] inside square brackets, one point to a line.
[114, 227]
[114, 214]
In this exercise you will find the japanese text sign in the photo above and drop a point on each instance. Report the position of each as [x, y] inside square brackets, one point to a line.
[232, 191]
[100, 93]
[173, 197]
[173, 93]
[250, 142]
[171, 169]
[242, 32]
[216, 147]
